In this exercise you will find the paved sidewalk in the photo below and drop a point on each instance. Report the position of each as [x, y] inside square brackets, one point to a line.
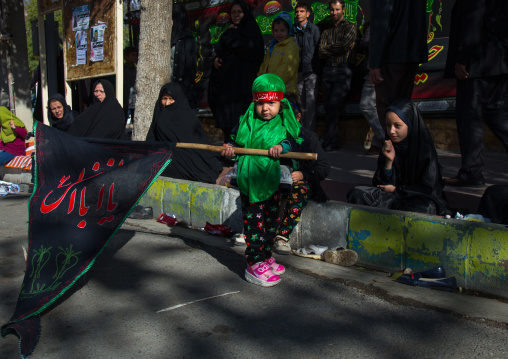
[353, 167]
[377, 283]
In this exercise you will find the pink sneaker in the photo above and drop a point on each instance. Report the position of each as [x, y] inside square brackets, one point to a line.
[261, 274]
[276, 267]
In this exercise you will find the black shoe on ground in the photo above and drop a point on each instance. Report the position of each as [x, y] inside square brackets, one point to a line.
[462, 182]
[466, 179]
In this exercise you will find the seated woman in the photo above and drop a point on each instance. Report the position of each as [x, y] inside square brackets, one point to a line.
[408, 175]
[60, 114]
[174, 121]
[12, 136]
[105, 118]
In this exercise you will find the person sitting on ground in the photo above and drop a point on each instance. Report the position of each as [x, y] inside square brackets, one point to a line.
[12, 136]
[306, 183]
[408, 175]
[175, 121]
[60, 114]
[104, 118]
[282, 56]
[269, 124]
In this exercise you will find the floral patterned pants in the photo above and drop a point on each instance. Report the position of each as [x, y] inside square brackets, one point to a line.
[260, 222]
[295, 202]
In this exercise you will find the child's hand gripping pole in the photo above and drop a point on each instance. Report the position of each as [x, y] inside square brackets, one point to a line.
[249, 151]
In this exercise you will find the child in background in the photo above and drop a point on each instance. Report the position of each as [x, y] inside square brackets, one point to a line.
[282, 56]
[306, 183]
[268, 124]
[408, 175]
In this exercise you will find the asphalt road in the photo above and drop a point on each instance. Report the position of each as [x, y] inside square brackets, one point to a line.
[114, 311]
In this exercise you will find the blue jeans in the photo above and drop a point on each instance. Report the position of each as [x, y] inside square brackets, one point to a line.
[369, 111]
[5, 157]
[307, 92]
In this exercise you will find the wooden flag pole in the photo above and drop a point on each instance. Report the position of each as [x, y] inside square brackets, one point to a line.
[248, 151]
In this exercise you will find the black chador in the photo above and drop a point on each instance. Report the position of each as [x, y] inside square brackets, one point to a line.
[416, 172]
[179, 123]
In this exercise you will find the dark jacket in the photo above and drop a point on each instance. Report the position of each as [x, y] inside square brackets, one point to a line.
[398, 32]
[315, 171]
[307, 40]
[185, 67]
[479, 38]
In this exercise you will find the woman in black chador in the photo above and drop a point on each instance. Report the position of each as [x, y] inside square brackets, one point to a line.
[174, 121]
[105, 118]
[60, 114]
[408, 175]
[239, 54]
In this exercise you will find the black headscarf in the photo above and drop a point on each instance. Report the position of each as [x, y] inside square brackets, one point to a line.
[179, 123]
[63, 123]
[180, 23]
[416, 169]
[104, 119]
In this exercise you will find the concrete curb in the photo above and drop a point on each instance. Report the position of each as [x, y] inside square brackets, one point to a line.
[476, 253]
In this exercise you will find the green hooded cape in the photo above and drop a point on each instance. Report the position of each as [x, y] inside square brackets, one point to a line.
[259, 176]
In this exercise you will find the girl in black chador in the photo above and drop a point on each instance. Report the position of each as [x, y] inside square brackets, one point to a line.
[408, 175]
[175, 121]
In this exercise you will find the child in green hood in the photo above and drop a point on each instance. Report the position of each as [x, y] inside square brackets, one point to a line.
[269, 124]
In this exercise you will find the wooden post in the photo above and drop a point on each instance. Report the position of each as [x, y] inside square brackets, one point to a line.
[43, 66]
[119, 51]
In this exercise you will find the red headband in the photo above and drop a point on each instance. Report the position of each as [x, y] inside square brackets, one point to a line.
[265, 96]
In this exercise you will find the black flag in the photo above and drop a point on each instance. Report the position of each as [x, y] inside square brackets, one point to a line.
[84, 190]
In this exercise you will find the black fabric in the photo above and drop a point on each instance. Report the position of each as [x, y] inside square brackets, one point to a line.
[416, 172]
[185, 55]
[478, 38]
[315, 171]
[84, 190]
[242, 52]
[180, 23]
[398, 32]
[104, 119]
[179, 123]
[494, 204]
[65, 122]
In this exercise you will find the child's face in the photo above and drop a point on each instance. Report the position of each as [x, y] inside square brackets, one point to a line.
[267, 110]
[132, 58]
[395, 127]
[280, 32]
[167, 100]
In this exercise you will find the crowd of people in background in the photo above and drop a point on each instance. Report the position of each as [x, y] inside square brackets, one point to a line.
[264, 97]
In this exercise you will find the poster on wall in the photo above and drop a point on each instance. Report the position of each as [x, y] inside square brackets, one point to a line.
[97, 42]
[80, 17]
[81, 44]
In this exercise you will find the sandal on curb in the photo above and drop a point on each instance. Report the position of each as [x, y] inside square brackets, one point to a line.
[312, 251]
[281, 245]
[340, 256]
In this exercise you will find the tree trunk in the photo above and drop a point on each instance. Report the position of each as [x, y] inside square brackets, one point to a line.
[154, 69]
